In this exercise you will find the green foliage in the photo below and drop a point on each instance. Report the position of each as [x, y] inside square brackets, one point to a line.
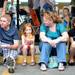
[73, 2]
[24, 4]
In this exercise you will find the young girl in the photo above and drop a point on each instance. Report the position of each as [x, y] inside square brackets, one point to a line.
[28, 42]
[72, 45]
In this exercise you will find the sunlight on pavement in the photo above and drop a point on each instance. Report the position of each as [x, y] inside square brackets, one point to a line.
[5, 72]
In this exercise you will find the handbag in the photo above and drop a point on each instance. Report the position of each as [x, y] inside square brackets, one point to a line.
[53, 62]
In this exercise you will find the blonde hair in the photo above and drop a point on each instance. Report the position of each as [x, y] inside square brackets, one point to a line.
[8, 17]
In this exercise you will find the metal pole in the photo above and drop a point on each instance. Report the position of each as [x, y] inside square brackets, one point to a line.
[17, 14]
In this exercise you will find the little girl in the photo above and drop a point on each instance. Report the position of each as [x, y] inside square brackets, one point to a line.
[28, 39]
[66, 19]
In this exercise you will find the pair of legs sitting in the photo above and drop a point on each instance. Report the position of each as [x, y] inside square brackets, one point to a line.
[31, 50]
[9, 57]
[45, 54]
[72, 54]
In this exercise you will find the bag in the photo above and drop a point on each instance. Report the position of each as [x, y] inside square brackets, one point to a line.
[47, 7]
[53, 62]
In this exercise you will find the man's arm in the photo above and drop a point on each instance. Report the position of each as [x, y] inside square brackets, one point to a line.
[4, 7]
[15, 45]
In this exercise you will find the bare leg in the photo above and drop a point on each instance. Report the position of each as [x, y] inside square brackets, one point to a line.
[32, 53]
[72, 54]
[24, 51]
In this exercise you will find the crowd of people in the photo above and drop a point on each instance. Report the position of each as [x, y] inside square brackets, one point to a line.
[56, 33]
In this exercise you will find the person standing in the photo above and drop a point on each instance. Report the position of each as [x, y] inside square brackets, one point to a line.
[47, 5]
[35, 5]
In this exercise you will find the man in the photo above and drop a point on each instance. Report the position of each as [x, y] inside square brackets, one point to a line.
[9, 42]
[35, 6]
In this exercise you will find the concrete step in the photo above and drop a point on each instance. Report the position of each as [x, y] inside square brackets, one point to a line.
[20, 58]
[1, 60]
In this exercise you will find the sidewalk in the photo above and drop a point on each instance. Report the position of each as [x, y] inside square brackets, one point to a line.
[34, 70]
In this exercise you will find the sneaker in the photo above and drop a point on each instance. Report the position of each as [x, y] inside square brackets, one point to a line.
[43, 67]
[10, 62]
[61, 67]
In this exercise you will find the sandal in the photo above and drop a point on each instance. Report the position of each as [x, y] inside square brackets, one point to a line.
[32, 63]
[71, 63]
[24, 63]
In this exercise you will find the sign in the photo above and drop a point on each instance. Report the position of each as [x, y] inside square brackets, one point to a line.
[61, 5]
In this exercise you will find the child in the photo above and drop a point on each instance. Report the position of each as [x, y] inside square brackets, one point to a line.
[72, 45]
[56, 17]
[28, 42]
[66, 19]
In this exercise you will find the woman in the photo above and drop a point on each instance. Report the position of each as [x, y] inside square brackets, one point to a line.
[72, 43]
[52, 35]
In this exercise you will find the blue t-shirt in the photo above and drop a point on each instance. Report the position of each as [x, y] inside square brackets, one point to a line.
[9, 36]
[53, 35]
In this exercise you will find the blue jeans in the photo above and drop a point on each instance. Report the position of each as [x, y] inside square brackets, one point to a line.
[46, 50]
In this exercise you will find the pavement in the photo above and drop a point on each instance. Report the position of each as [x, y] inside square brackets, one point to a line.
[35, 70]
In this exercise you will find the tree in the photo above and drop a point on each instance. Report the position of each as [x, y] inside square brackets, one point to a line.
[73, 2]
